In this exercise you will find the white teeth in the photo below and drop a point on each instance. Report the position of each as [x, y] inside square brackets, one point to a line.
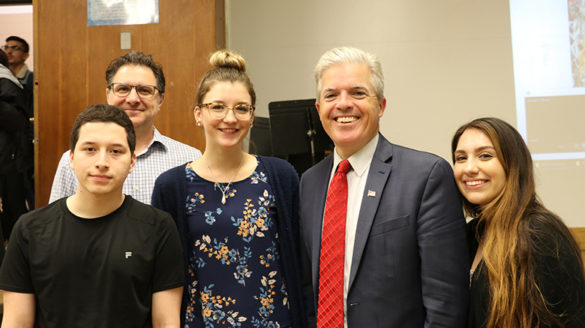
[474, 183]
[228, 130]
[346, 119]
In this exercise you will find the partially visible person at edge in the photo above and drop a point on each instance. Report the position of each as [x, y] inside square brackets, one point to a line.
[397, 253]
[17, 51]
[135, 83]
[97, 258]
[236, 214]
[14, 157]
[527, 269]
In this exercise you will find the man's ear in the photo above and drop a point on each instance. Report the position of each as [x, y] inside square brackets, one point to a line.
[382, 107]
[132, 163]
[71, 158]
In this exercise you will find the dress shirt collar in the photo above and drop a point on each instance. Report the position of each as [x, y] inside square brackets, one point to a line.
[157, 139]
[360, 160]
[22, 71]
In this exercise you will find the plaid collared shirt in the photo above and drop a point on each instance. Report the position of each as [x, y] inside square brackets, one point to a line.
[162, 154]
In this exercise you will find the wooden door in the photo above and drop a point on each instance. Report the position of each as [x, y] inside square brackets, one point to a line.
[71, 59]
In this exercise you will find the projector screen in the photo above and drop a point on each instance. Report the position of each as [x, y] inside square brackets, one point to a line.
[548, 42]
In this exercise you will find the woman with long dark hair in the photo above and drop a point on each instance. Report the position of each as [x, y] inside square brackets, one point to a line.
[527, 269]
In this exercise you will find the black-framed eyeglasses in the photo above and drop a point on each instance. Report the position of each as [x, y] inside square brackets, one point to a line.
[145, 91]
[219, 110]
[13, 48]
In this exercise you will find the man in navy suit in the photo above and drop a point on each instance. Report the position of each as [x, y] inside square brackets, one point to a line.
[405, 259]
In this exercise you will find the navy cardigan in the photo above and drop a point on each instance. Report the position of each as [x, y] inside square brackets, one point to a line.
[169, 194]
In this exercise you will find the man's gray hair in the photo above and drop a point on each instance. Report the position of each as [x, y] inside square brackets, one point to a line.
[344, 55]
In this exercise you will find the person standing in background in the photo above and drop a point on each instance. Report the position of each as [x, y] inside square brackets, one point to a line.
[135, 83]
[17, 51]
[14, 157]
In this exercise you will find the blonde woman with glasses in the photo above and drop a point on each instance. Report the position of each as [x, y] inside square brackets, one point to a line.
[236, 214]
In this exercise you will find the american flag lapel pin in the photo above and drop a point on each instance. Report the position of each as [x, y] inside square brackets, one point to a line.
[371, 193]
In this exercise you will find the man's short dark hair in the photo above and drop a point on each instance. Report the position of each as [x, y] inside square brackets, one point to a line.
[19, 39]
[139, 59]
[104, 113]
[3, 58]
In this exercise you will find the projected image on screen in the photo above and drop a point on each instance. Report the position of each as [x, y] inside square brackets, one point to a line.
[577, 39]
[548, 42]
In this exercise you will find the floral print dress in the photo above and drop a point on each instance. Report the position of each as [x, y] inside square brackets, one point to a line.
[234, 274]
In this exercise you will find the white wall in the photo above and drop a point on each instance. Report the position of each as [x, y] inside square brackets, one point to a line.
[18, 20]
[445, 62]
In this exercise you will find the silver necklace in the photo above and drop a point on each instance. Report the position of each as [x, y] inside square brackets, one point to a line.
[223, 189]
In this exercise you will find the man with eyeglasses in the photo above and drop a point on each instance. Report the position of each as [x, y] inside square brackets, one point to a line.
[135, 83]
[16, 49]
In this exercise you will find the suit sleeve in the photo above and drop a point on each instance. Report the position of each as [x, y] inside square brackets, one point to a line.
[443, 250]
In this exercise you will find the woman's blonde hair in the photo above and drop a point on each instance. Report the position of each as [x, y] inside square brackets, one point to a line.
[227, 66]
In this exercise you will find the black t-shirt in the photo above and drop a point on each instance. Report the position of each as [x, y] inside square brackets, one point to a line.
[93, 272]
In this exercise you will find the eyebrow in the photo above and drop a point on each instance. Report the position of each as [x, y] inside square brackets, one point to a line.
[90, 143]
[353, 87]
[476, 149]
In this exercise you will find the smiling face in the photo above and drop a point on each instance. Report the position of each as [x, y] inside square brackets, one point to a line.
[479, 173]
[141, 111]
[348, 107]
[101, 159]
[228, 131]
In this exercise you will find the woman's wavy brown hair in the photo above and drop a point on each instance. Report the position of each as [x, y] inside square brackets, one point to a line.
[509, 235]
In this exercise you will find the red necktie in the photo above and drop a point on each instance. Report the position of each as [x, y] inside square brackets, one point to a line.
[331, 261]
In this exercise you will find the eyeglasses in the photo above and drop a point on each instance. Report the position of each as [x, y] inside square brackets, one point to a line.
[219, 110]
[144, 91]
[13, 48]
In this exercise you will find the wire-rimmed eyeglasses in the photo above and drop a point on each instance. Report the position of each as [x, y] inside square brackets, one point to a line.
[219, 110]
[145, 91]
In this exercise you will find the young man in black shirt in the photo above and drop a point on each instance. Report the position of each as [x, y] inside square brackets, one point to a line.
[97, 258]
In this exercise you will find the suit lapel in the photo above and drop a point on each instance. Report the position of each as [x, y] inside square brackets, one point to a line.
[320, 194]
[377, 177]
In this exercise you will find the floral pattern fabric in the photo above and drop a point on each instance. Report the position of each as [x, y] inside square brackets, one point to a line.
[234, 274]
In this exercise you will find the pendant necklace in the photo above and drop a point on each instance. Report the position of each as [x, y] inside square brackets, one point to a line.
[224, 189]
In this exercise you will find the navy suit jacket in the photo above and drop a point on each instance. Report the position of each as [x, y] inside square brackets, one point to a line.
[410, 260]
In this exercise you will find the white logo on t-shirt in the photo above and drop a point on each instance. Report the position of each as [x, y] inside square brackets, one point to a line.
[128, 254]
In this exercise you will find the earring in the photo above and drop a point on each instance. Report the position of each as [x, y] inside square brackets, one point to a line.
[198, 123]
